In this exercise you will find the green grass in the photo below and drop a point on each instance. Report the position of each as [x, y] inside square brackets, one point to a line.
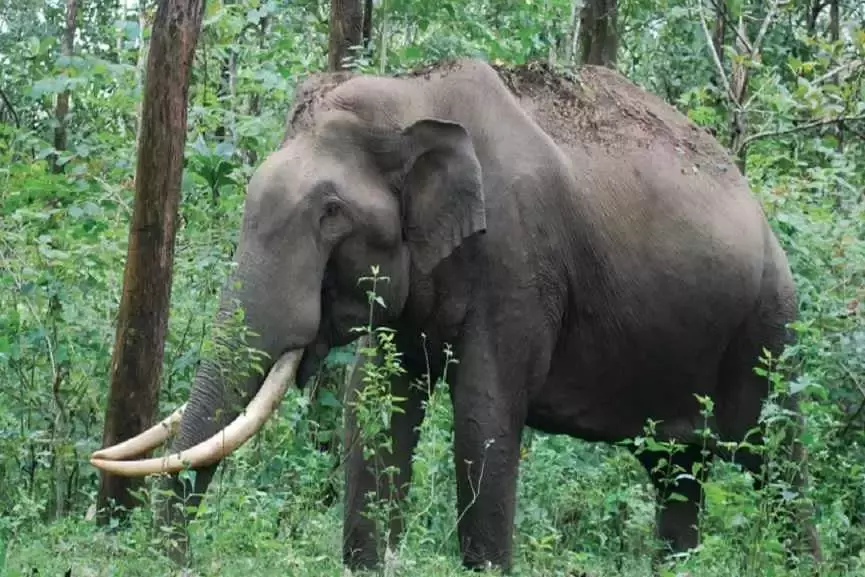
[582, 508]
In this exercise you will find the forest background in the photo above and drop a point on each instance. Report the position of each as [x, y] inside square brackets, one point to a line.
[779, 83]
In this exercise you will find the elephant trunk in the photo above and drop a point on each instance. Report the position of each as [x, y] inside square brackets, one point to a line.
[214, 423]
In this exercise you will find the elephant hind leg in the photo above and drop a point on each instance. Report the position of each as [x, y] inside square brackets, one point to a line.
[678, 480]
[742, 393]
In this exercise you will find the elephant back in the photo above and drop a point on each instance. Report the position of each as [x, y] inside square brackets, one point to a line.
[593, 107]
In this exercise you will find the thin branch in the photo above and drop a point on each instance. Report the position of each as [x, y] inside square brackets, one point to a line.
[855, 64]
[711, 46]
[730, 23]
[818, 6]
[767, 21]
[858, 411]
[11, 108]
[802, 127]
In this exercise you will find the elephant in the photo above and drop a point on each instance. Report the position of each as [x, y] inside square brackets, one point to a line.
[592, 257]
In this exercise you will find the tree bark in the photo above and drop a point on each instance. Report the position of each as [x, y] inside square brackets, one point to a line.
[62, 109]
[346, 27]
[136, 364]
[599, 38]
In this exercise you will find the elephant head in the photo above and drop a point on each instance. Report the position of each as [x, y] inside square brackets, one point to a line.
[347, 190]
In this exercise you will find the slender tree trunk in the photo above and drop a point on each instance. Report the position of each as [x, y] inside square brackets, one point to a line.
[719, 40]
[719, 34]
[834, 20]
[599, 38]
[225, 88]
[814, 9]
[136, 364]
[739, 88]
[834, 36]
[346, 26]
[367, 24]
[573, 27]
[255, 98]
[62, 109]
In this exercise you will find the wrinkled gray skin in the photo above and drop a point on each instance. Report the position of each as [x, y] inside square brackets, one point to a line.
[587, 283]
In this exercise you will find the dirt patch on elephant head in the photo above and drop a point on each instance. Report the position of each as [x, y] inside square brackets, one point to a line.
[593, 105]
[308, 95]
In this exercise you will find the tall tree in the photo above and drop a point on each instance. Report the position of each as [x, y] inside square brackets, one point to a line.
[346, 29]
[599, 37]
[62, 109]
[136, 366]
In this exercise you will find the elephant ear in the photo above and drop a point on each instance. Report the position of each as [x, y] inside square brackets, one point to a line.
[442, 190]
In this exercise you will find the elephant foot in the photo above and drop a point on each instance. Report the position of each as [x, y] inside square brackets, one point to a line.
[477, 561]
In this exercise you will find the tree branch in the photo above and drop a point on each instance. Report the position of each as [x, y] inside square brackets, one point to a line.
[858, 411]
[715, 58]
[11, 108]
[855, 64]
[770, 15]
[730, 23]
[802, 127]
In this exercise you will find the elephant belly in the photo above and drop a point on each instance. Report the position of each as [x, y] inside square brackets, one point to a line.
[605, 389]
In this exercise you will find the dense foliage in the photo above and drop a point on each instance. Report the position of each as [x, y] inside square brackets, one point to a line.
[582, 507]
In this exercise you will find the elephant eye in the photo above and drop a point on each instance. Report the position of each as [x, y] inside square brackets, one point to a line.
[334, 223]
[331, 210]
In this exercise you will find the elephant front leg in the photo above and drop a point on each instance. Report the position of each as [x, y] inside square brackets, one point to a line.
[383, 476]
[488, 422]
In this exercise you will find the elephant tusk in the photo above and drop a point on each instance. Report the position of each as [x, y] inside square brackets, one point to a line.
[143, 442]
[225, 441]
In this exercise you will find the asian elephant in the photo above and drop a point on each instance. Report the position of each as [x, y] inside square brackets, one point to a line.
[594, 259]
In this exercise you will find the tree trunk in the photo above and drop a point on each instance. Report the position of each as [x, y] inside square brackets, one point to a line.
[834, 36]
[346, 26]
[136, 365]
[739, 88]
[814, 9]
[719, 34]
[367, 24]
[60, 136]
[255, 98]
[599, 39]
[834, 20]
[225, 90]
[573, 27]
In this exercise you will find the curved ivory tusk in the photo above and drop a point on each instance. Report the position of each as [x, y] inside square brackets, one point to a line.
[143, 442]
[225, 441]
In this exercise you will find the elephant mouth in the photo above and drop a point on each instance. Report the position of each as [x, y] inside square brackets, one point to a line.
[114, 459]
[310, 364]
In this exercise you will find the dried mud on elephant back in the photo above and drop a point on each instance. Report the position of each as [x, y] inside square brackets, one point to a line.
[309, 92]
[610, 111]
